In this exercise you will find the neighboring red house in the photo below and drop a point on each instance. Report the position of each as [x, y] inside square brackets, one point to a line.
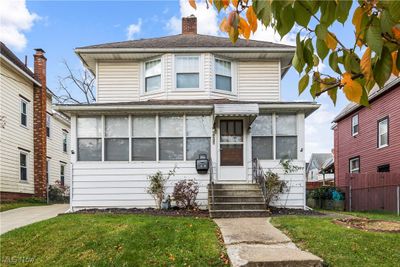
[367, 139]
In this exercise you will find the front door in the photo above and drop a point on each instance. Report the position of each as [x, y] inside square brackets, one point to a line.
[231, 147]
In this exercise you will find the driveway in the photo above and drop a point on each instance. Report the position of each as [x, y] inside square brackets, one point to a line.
[16, 218]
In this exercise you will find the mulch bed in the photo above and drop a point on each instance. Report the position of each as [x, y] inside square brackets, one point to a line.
[148, 211]
[284, 211]
[370, 225]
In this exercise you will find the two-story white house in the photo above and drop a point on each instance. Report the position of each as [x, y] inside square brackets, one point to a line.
[34, 138]
[162, 102]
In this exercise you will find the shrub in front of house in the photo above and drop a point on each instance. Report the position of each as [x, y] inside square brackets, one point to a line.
[185, 193]
[58, 193]
[326, 197]
[157, 186]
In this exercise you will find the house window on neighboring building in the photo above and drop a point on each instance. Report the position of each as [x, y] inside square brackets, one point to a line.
[144, 141]
[48, 122]
[198, 133]
[62, 174]
[47, 170]
[354, 125]
[171, 138]
[354, 165]
[116, 138]
[24, 113]
[286, 136]
[187, 72]
[384, 168]
[65, 141]
[383, 132]
[262, 137]
[153, 75]
[23, 166]
[223, 75]
[89, 138]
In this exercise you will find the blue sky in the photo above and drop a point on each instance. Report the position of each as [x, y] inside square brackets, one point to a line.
[60, 26]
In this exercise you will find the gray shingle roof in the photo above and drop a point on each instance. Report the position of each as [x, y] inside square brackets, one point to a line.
[188, 41]
[319, 159]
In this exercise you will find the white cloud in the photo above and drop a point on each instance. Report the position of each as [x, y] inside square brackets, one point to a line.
[270, 35]
[207, 19]
[133, 29]
[15, 19]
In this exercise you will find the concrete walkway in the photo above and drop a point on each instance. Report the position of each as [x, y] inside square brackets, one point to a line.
[255, 242]
[15, 218]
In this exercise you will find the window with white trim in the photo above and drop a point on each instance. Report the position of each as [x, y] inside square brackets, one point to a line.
[354, 165]
[116, 147]
[223, 75]
[152, 80]
[62, 174]
[187, 72]
[48, 124]
[354, 125]
[24, 113]
[383, 132]
[171, 138]
[262, 137]
[286, 136]
[47, 170]
[23, 166]
[198, 133]
[144, 141]
[89, 138]
[65, 141]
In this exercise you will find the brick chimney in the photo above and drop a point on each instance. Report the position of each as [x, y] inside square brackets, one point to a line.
[39, 125]
[189, 25]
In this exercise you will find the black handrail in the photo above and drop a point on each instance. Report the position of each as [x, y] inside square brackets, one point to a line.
[258, 176]
[211, 184]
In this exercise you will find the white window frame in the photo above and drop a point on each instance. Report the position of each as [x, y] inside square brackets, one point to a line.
[62, 165]
[48, 120]
[195, 136]
[143, 80]
[105, 137]
[201, 73]
[65, 138]
[101, 137]
[132, 137]
[214, 76]
[48, 170]
[183, 136]
[23, 101]
[21, 152]
[385, 119]
[356, 170]
[353, 132]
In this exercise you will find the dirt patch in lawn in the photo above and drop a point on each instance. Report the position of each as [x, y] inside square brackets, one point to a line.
[370, 225]
[283, 211]
[148, 211]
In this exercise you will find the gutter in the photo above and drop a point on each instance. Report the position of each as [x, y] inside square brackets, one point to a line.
[70, 108]
[20, 71]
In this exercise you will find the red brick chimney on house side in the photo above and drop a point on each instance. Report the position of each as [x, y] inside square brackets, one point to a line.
[39, 125]
[189, 25]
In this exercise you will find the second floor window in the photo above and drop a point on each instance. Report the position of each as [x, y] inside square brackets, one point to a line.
[24, 113]
[223, 75]
[153, 75]
[354, 125]
[187, 72]
[383, 132]
[48, 121]
[354, 165]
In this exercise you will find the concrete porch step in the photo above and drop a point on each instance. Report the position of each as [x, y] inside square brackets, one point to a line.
[238, 206]
[227, 199]
[236, 186]
[237, 192]
[238, 213]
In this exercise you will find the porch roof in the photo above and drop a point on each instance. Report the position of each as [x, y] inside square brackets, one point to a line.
[206, 106]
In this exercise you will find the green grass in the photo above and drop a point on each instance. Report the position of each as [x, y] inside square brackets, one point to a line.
[115, 240]
[341, 246]
[21, 203]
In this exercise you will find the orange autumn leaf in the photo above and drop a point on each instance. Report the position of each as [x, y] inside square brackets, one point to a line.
[331, 41]
[244, 28]
[352, 89]
[224, 26]
[365, 64]
[395, 71]
[235, 3]
[252, 18]
[225, 3]
[193, 3]
[396, 31]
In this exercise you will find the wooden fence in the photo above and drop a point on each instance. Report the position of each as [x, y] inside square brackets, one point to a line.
[372, 191]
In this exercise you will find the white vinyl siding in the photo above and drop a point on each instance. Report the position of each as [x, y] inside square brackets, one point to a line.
[258, 80]
[118, 81]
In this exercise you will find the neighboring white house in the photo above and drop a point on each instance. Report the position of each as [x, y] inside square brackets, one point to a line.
[17, 138]
[163, 101]
[320, 168]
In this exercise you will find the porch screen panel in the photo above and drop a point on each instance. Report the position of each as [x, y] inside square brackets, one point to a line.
[171, 138]
[286, 136]
[144, 139]
[116, 138]
[198, 133]
[89, 131]
[262, 138]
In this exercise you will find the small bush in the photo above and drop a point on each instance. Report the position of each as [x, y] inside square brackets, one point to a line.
[274, 186]
[58, 193]
[326, 193]
[185, 193]
[157, 186]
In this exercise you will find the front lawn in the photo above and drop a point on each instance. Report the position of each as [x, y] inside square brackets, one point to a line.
[115, 240]
[20, 203]
[341, 246]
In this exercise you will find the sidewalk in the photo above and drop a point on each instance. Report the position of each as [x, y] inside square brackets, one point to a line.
[255, 242]
[15, 218]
